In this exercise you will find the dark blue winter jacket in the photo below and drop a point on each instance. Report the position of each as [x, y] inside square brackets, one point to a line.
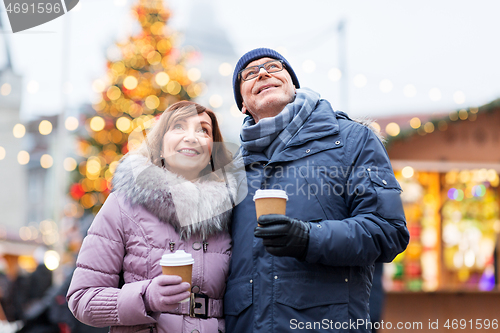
[338, 176]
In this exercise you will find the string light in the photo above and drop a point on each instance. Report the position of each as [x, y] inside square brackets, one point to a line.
[215, 101]
[392, 129]
[162, 78]
[23, 157]
[225, 69]
[71, 123]
[69, 164]
[360, 80]
[386, 86]
[194, 74]
[46, 161]
[5, 89]
[19, 130]
[334, 74]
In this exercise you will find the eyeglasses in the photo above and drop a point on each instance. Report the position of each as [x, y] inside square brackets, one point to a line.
[252, 72]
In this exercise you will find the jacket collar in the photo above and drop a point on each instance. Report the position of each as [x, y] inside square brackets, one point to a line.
[321, 123]
[202, 207]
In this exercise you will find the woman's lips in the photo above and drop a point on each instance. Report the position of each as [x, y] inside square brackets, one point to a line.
[188, 152]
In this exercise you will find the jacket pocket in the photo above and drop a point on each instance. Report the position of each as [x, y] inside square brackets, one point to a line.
[307, 291]
[238, 296]
[389, 204]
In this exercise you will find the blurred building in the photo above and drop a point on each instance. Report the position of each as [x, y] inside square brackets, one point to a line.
[12, 175]
[216, 58]
[26, 178]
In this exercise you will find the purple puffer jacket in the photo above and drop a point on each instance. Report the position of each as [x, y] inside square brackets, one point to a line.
[152, 211]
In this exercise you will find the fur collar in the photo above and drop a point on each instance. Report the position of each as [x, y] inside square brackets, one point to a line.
[202, 207]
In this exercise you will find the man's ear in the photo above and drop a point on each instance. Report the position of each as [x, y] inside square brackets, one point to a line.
[243, 108]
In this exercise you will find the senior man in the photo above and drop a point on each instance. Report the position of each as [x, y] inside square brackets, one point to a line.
[312, 268]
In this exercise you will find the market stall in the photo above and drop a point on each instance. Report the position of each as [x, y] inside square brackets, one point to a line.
[449, 170]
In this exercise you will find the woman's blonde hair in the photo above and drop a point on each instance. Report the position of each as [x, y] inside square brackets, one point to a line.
[153, 143]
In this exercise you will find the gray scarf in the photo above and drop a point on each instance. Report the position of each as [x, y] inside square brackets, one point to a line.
[271, 135]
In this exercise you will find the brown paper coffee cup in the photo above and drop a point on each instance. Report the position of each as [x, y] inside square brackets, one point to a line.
[178, 263]
[270, 202]
[185, 272]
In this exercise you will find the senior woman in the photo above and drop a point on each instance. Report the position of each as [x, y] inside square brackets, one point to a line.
[169, 195]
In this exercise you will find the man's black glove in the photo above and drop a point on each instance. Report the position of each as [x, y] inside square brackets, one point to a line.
[283, 236]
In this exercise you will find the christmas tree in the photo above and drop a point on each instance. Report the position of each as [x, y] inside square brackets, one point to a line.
[147, 77]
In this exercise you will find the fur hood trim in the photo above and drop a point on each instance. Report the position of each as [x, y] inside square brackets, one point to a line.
[202, 207]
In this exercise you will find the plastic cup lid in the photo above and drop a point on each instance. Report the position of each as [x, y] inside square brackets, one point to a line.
[271, 193]
[178, 258]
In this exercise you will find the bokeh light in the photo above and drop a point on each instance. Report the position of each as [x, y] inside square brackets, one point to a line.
[23, 157]
[335, 74]
[69, 164]
[152, 102]
[409, 90]
[2, 153]
[130, 82]
[98, 86]
[360, 80]
[46, 161]
[97, 124]
[71, 123]
[463, 114]
[51, 260]
[45, 127]
[429, 127]
[124, 124]
[194, 74]
[407, 172]
[113, 93]
[455, 194]
[415, 122]
[19, 130]
[386, 86]
[392, 129]
[5, 89]
[216, 101]
[225, 69]
[173, 87]
[162, 78]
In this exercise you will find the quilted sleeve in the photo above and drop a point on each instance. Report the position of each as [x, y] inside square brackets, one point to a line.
[93, 296]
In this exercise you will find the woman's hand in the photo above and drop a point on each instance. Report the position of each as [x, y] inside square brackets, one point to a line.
[165, 292]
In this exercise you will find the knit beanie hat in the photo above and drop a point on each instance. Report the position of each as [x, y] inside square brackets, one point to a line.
[254, 55]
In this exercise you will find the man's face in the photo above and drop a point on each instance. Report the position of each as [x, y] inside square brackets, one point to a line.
[267, 94]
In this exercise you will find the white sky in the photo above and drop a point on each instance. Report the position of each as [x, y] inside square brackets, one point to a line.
[451, 45]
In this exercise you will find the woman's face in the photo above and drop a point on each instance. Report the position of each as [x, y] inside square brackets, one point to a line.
[187, 145]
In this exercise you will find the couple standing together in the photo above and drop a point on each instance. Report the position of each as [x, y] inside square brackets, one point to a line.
[182, 191]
